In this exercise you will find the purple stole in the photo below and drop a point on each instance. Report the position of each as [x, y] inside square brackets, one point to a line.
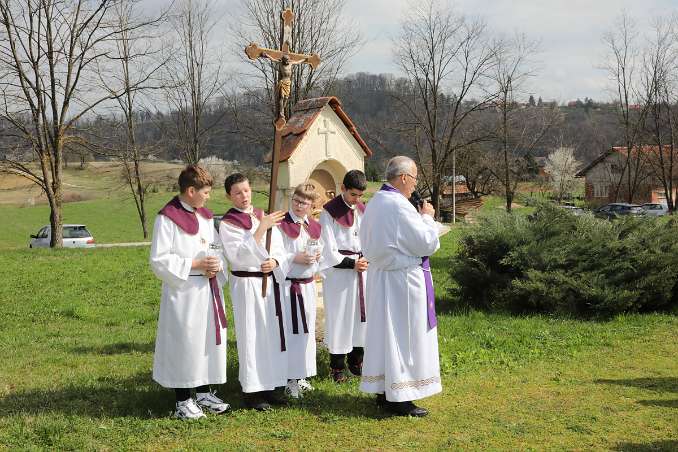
[243, 220]
[428, 281]
[293, 230]
[188, 222]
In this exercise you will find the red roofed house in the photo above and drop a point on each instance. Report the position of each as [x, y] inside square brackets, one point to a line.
[320, 144]
[602, 176]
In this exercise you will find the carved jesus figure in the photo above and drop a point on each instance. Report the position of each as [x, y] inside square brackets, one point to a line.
[284, 87]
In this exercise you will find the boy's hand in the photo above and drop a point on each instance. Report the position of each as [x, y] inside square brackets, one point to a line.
[206, 264]
[268, 265]
[305, 259]
[270, 220]
[361, 265]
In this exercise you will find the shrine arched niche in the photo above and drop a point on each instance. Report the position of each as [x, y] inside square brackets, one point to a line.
[326, 178]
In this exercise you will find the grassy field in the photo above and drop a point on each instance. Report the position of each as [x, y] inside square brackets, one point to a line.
[77, 331]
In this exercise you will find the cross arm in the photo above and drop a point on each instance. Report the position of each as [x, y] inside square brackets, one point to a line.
[254, 52]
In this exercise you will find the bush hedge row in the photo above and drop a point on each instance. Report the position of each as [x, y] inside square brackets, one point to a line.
[554, 262]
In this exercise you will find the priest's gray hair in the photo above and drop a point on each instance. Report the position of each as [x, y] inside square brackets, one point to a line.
[399, 165]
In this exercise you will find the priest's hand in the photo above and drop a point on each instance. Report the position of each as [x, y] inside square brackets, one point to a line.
[361, 265]
[268, 265]
[427, 209]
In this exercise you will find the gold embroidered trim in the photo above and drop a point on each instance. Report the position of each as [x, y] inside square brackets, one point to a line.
[372, 379]
[415, 384]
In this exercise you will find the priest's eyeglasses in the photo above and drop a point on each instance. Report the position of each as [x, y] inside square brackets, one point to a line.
[416, 178]
[301, 203]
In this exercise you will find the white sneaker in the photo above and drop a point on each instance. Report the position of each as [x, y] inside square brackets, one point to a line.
[292, 389]
[304, 385]
[210, 402]
[187, 409]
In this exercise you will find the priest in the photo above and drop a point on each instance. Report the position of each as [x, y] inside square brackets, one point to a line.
[401, 348]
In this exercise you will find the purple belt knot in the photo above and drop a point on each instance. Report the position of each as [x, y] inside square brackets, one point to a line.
[295, 294]
[361, 293]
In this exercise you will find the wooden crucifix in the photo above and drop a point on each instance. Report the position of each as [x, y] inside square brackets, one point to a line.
[286, 60]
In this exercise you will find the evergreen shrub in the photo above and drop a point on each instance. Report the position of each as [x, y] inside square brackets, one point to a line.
[554, 262]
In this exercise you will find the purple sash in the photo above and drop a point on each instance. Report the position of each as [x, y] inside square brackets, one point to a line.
[240, 219]
[341, 212]
[186, 220]
[430, 294]
[276, 297]
[361, 294]
[388, 188]
[218, 308]
[296, 296]
[292, 229]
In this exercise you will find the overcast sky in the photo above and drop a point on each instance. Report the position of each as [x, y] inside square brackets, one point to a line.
[569, 31]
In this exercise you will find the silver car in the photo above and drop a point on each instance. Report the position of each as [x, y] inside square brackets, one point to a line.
[75, 236]
[655, 209]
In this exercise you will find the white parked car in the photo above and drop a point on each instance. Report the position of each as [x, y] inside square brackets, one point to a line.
[75, 236]
[655, 209]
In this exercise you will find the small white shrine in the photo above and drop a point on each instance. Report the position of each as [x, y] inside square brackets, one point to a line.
[320, 144]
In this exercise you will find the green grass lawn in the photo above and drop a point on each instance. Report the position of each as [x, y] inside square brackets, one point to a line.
[110, 220]
[77, 334]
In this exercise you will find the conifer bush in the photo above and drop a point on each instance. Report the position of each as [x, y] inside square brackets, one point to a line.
[556, 262]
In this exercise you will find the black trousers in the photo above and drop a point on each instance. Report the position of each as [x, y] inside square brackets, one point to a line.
[354, 358]
[185, 393]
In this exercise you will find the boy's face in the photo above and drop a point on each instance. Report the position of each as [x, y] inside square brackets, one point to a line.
[241, 195]
[352, 196]
[301, 206]
[197, 198]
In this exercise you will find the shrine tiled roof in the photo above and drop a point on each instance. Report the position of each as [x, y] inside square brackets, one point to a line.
[304, 114]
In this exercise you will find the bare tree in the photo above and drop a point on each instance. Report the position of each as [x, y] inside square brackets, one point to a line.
[195, 76]
[319, 27]
[622, 68]
[561, 168]
[48, 50]
[447, 59]
[517, 130]
[134, 63]
[660, 94]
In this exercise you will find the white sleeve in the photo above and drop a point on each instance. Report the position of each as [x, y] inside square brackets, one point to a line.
[240, 247]
[330, 253]
[280, 254]
[170, 268]
[417, 234]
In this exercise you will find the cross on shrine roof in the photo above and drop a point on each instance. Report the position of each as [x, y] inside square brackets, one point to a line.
[304, 115]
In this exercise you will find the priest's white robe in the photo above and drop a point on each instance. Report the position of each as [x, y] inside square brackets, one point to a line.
[186, 354]
[343, 328]
[301, 347]
[262, 366]
[401, 352]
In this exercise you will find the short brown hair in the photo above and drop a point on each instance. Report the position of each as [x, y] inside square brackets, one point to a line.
[194, 176]
[233, 179]
[306, 191]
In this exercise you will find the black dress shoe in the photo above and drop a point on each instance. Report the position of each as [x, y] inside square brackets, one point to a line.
[405, 409]
[381, 399]
[255, 400]
[338, 375]
[275, 397]
[356, 369]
